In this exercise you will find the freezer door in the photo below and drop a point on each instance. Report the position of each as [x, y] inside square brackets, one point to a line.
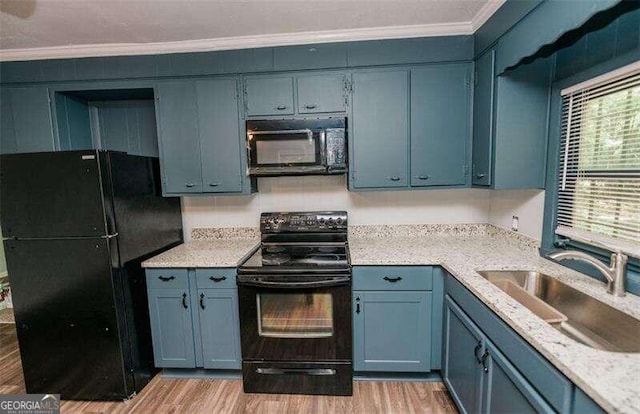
[66, 318]
[52, 195]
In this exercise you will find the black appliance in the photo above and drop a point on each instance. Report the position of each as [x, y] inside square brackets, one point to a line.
[77, 226]
[295, 306]
[297, 146]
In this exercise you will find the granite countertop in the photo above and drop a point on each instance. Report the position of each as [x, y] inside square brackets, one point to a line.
[611, 379]
[205, 253]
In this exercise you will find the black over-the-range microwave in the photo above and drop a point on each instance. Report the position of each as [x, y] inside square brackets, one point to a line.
[297, 146]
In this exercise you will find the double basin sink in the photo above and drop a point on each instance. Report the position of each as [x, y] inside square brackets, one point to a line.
[573, 313]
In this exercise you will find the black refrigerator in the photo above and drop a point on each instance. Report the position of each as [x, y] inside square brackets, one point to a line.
[76, 227]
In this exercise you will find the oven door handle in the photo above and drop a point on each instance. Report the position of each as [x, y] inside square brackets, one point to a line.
[258, 282]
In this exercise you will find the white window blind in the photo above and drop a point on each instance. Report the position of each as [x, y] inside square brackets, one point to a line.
[599, 182]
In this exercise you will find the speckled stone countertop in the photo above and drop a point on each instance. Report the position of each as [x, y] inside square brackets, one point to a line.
[611, 379]
[225, 247]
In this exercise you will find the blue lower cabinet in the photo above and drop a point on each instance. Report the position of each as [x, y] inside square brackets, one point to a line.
[582, 404]
[489, 368]
[478, 376]
[171, 328]
[392, 331]
[463, 349]
[506, 390]
[219, 328]
[194, 318]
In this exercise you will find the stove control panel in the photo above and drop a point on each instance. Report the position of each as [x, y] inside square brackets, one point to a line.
[318, 221]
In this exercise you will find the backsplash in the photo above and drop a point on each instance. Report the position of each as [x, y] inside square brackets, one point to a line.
[312, 193]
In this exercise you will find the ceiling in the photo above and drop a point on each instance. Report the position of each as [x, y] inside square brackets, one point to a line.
[41, 29]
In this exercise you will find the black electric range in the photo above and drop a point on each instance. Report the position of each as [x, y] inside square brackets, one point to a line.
[295, 302]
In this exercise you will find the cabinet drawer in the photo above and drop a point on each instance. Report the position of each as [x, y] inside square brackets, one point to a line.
[392, 278]
[216, 278]
[167, 279]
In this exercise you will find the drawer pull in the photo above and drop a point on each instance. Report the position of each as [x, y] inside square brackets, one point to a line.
[190, 185]
[392, 279]
[394, 178]
[313, 106]
[214, 184]
[480, 175]
[423, 177]
[184, 301]
[166, 279]
[281, 107]
[202, 301]
[217, 279]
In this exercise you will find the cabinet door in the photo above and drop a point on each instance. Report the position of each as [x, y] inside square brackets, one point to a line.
[171, 328]
[463, 347]
[219, 327]
[380, 129]
[269, 96]
[321, 93]
[506, 390]
[26, 121]
[440, 97]
[392, 331]
[218, 122]
[179, 140]
[483, 120]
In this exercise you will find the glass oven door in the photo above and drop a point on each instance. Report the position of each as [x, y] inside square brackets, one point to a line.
[271, 151]
[283, 322]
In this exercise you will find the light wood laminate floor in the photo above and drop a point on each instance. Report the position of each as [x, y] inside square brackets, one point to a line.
[225, 396]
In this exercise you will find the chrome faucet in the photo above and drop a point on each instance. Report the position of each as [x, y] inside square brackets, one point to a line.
[615, 274]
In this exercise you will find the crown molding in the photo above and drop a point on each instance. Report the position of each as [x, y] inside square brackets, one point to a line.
[238, 42]
[485, 13]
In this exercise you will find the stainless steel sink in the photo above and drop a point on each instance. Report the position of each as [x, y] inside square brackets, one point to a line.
[588, 320]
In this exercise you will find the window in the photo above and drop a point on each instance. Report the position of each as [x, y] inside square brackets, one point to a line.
[599, 182]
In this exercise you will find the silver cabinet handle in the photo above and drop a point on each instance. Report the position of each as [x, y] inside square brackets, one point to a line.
[313, 106]
[423, 177]
[480, 175]
[281, 107]
[394, 178]
[214, 184]
[189, 185]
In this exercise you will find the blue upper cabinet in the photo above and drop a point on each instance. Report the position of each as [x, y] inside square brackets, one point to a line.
[510, 124]
[177, 113]
[25, 120]
[380, 129]
[269, 95]
[440, 116]
[483, 119]
[296, 94]
[220, 137]
[322, 93]
[201, 137]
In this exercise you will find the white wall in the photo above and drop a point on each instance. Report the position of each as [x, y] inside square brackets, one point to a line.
[330, 193]
[371, 207]
[528, 205]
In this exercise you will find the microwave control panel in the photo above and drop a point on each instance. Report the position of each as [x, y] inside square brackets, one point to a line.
[336, 146]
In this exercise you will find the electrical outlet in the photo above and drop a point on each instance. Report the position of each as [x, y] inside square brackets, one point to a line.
[514, 223]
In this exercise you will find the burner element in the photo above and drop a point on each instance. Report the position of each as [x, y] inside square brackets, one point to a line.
[275, 259]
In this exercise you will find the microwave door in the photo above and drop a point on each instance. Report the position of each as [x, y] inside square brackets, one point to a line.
[285, 151]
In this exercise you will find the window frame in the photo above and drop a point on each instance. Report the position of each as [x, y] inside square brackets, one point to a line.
[550, 240]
